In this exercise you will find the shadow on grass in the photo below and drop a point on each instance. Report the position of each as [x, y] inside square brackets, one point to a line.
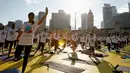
[105, 67]
[39, 63]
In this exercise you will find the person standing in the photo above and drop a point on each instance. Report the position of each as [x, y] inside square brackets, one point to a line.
[56, 39]
[26, 37]
[74, 41]
[11, 37]
[42, 42]
[108, 42]
[115, 42]
[92, 44]
[82, 41]
[2, 38]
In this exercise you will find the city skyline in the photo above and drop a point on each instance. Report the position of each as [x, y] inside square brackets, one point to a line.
[20, 8]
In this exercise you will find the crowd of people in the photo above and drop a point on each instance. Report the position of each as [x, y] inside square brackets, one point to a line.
[21, 40]
[25, 38]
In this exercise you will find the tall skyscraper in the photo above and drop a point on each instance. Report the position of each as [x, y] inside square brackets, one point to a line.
[90, 20]
[107, 5]
[107, 16]
[129, 6]
[60, 20]
[114, 11]
[43, 25]
[84, 21]
[18, 24]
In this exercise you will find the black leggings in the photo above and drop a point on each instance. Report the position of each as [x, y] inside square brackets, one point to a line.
[15, 43]
[27, 51]
[115, 46]
[2, 46]
[10, 46]
[109, 46]
[39, 46]
[82, 45]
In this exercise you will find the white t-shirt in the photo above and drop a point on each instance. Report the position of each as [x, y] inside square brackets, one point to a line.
[83, 39]
[28, 36]
[11, 34]
[124, 39]
[43, 37]
[108, 40]
[16, 35]
[47, 35]
[114, 40]
[119, 39]
[91, 41]
[56, 36]
[2, 36]
[74, 38]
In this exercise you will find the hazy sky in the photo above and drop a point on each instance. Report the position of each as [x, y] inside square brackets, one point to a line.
[18, 9]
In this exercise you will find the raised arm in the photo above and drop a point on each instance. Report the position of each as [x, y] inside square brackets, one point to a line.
[44, 17]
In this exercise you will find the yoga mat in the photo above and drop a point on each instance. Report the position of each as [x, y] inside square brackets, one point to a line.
[14, 70]
[6, 53]
[64, 68]
[89, 62]
[47, 55]
[4, 57]
[126, 57]
[124, 68]
[125, 61]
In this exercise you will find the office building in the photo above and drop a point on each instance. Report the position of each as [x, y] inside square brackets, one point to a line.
[84, 21]
[90, 20]
[123, 19]
[60, 21]
[129, 6]
[114, 11]
[108, 15]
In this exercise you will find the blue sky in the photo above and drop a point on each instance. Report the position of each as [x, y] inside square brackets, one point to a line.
[12, 10]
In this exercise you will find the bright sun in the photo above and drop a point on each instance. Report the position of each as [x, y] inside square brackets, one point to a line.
[78, 6]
